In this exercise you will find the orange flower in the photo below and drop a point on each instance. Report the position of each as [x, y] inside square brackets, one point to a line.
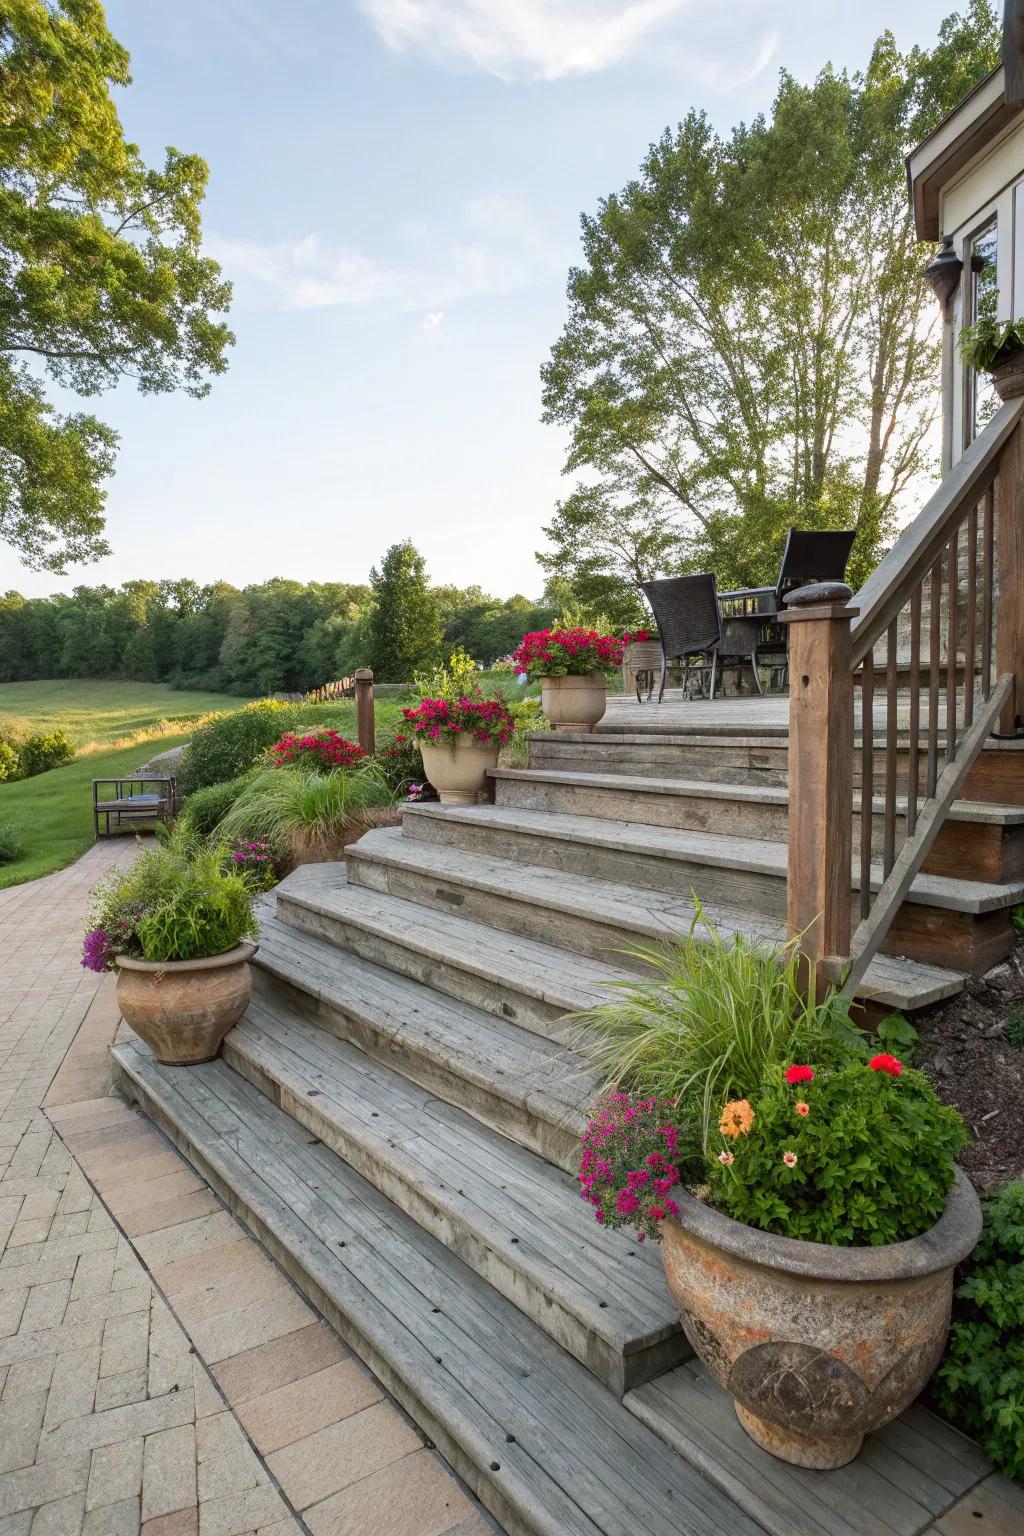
[737, 1118]
[802, 1108]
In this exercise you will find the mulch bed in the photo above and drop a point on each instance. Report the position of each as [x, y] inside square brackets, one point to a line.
[967, 1052]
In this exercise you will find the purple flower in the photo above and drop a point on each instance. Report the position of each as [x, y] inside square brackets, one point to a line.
[97, 954]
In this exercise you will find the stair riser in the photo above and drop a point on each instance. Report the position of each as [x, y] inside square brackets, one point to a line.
[718, 763]
[471, 1463]
[618, 1372]
[647, 807]
[556, 1142]
[971, 942]
[488, 993]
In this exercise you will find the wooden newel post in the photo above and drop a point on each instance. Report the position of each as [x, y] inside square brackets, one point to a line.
[818, 898]
[1009, 505]
[364, 710]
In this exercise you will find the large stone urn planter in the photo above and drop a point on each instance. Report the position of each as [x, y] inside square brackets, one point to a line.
[458, 772]
[183, 1009]
[817, 1345]
[573, 703]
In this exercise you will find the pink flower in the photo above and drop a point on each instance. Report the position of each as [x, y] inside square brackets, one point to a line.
[789, 1158]
[798, 1074]
[886, 1063]
[726, 1159]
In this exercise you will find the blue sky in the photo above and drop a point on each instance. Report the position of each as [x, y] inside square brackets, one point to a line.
[395, 191]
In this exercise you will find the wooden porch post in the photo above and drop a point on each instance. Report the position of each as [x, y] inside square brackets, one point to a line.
[818, 900]
[1009, 501]
[364, 710]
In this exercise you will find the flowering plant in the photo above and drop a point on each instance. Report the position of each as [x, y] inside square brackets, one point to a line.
[447, 721]
[558, 652]
[859, 1153]
[636, 637]
[252, 857]
[320, 749]
[632, 1157]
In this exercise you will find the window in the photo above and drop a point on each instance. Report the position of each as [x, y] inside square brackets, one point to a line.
[983, 297]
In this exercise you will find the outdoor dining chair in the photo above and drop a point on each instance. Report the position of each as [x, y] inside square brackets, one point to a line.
[691, 630]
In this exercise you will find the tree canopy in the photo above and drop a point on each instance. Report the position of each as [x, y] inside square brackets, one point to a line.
[102, 276]
[404, 624]
[749, 343]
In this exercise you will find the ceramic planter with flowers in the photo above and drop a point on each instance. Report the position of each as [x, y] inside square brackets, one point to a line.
[813, 1267]
[996, 347]
[572, 665]
[459, 740]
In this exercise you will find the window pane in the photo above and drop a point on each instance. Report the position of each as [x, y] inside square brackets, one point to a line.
[984, 296]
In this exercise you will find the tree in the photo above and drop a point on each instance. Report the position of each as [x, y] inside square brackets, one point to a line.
[101, 275]
[403, 630]
[749, 343]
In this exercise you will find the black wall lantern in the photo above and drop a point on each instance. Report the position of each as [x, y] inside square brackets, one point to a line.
[943, 273]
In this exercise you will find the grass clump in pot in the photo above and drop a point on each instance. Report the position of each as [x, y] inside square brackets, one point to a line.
[302, 810]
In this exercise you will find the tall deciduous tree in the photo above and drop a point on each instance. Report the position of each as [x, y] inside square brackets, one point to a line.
[749, 343]
[101, 273]
[403, 629]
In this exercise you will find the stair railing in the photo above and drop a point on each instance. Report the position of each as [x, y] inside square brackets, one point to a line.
[950, 594]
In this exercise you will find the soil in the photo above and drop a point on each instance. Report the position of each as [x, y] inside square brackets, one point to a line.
[968, 1050]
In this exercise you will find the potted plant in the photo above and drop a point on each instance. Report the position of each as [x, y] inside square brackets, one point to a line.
[572, 664]
[177, 925]
[996, 347]
[459, 739]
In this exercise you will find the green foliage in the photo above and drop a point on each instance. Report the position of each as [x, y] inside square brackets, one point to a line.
[990, 342]
[896, 1034]
[869, 1160]
[101, 269]
[1018, 919]
[279, 803]
[404, 627]
[715, 1015]
[206, 808]
[452, 679]
[1014, 1026]
[225, 745]
[749, 344]
[9, 766]
[399, 760]
[39, 753]
[12, 846]
[980, 1384]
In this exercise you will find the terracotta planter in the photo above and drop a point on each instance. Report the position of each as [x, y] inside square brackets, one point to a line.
[817, 1345]
[459, 772]
[574, 703]
[184, 1008]
[1008, 376]
[307, 849]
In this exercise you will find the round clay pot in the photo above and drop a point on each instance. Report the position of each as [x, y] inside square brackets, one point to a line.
[574, 703]
[458, 772]
[1008, 376]
[184, 1008]
[817, 1345]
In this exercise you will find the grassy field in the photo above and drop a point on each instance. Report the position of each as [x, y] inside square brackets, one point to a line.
[97, 714]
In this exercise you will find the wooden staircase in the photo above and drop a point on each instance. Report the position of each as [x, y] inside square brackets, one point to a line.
[396, 1117]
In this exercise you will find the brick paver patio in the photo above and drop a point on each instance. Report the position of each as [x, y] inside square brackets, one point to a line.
[158, 1372]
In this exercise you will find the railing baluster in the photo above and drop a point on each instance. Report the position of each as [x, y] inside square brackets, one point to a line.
[934, 663]
[913, 746]
[987, 583]
[891, 742]
[867, 778]
[972, 615]
[951, 647]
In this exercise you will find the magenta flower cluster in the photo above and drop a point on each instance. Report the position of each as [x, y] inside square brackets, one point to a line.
[557, 652]
[629, 1163]
[485, 721]
[97, 950]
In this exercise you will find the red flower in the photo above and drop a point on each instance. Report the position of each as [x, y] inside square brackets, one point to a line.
[886, 1063]
[797, 1074]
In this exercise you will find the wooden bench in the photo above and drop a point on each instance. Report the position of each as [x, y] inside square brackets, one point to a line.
[132, 803]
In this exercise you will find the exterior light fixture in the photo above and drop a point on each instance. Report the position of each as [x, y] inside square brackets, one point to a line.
[943, 273]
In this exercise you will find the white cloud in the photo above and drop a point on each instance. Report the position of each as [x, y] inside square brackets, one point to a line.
[718, 76]
[520, 39]
[433, 320]
[303, 274]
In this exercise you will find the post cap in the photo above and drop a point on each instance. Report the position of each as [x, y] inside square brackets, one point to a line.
[820, 592]
[364, 675]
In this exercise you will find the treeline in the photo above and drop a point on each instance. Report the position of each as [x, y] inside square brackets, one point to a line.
[276, 637]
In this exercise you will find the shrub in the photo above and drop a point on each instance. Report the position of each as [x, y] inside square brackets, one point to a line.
[225, 745]
[46, 750]
[11, 846]
[321, 749]
[276, 806]
[10, 767]
[450, 679]
[980, 1383]
[715, 1015]
[206, 808]
[861, 1153]
[632, 1156]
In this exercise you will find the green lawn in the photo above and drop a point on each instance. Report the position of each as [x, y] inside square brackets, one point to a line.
[102, 712]
[53, 811]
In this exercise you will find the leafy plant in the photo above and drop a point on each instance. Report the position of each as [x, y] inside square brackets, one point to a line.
[632, 1155]
[12, 847]
[716, 1013]
[398, 759]
[276, 806]
[206, 808]
[1014, 1027]
[1018, 919]
[990, 342]
[252, 857]
[896, 1034]
[980, 1383]
[46, 750]
[861, 1153]
[448, 680]
[9, 765]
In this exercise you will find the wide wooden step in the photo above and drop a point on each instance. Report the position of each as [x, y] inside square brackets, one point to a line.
[544, 1444]
[518, 1082]
[514, 1218]
[527, 982]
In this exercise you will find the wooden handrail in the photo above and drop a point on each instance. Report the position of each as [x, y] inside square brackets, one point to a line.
[892, 583]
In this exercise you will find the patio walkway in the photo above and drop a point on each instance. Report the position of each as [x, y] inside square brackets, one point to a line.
[157, 1370]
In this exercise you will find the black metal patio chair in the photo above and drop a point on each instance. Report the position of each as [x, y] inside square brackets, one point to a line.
[691, 630]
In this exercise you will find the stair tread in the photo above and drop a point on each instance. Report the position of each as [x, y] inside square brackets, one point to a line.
[976, 811]
[756, 856]
[535, 1433]
[521, 1212]
[539, 1075]
[497, 1394]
